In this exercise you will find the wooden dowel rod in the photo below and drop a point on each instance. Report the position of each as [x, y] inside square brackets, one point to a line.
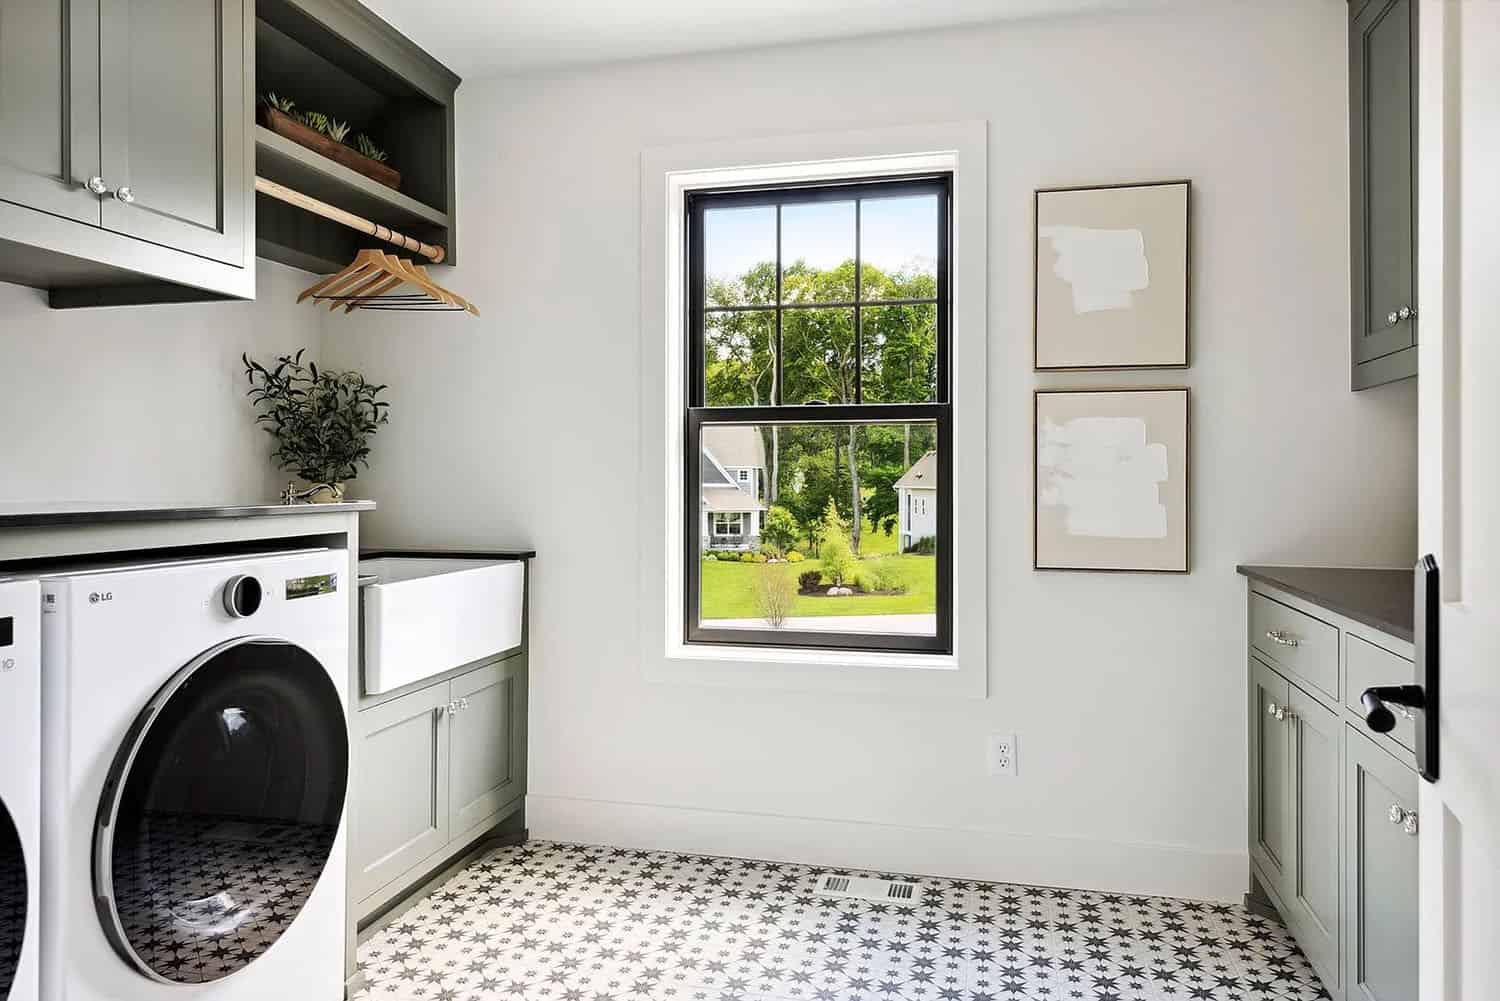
[307, 203]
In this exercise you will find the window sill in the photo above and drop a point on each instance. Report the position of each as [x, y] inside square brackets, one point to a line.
[718, 653]
[835, 672]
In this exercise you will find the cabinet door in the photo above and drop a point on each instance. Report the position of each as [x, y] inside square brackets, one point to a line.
[49, 106]
[1315, 887]
[1382, 127]
[1270, 776]
[1380, 940]
[401, 788]
[174, 119]
[488, 768]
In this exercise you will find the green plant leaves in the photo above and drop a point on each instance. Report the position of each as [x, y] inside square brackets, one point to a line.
[321, 420]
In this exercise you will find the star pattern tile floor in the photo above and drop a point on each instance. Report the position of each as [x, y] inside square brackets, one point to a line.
[559, 922]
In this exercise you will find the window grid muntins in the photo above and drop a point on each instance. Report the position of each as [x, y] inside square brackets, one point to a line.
[858, 193]
[846, 407]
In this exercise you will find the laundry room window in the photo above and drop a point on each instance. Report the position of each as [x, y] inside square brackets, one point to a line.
[817, 324]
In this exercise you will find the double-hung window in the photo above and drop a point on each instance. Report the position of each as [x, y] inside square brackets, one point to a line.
[818, 346]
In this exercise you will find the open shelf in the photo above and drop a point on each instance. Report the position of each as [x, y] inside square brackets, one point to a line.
[338, 58]
[279, 159]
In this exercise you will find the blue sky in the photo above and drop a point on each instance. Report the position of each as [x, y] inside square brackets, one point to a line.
[897, 232]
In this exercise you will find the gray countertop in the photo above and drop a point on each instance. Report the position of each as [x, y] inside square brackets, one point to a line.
[407, 552]
[52, 514]
[1379, 598]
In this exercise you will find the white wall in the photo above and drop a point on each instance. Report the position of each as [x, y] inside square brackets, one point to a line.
[1127, 691]
[142, 403]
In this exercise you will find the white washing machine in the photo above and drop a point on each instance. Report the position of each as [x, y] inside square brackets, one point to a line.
[195, 760]
[20, 788]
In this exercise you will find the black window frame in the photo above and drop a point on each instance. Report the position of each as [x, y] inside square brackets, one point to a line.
[938, 412]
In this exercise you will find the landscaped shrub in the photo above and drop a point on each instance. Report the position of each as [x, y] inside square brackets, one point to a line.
[727, 557]
[780, 529]
[809, 580]
[887, 580]
[795, 557]
[747, 557]
[771, 552]
[925, 546]
[773, 595]
[838, 557]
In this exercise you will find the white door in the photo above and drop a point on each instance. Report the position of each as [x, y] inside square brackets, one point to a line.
[1459, 493]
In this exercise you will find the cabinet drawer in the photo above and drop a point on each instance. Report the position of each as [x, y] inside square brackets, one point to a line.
[1366, 665]
[1297, 642]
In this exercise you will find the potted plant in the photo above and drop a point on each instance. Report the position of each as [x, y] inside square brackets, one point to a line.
[327, 136]
[322, 421]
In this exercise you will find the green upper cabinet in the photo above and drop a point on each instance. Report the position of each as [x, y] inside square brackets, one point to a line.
[125, 160]
[174, 106]
[49, 105]
[1382, 184]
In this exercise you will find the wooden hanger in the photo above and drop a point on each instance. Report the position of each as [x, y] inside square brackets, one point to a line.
[371, 280]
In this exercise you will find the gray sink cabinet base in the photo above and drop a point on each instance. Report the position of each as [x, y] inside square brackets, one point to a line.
[439, 769]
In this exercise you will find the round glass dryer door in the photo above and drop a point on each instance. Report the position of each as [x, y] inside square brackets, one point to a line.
[220, 811]
[12, 901]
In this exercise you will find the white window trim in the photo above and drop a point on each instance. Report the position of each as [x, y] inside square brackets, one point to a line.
[667, 174]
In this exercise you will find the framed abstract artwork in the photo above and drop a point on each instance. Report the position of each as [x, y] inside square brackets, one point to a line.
[1111, 488]
[1111, 277]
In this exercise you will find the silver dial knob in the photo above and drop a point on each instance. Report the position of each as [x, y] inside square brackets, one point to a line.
[1396, 814]
[97, 185]
[126, 195]
[1272, 709]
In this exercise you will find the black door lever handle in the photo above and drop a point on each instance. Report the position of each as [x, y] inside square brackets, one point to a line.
[1378, 716]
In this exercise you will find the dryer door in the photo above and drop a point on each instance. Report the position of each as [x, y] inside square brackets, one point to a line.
[220, 811]
[12, 901]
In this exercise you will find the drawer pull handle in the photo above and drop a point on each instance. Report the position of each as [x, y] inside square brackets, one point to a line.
[1409, 825]
[1280, 636]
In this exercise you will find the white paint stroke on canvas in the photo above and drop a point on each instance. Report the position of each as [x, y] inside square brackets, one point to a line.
[1105, 474]
[1102, 266]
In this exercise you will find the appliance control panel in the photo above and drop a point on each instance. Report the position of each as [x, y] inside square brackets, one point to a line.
[20, 628]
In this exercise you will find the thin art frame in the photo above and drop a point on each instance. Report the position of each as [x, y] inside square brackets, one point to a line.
[1187, 299]
[1187, 466]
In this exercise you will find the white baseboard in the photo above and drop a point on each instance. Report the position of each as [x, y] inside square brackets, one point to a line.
[992, 856]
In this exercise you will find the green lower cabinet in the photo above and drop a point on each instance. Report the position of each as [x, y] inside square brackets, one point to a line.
[1314, 891]
[401, 802]
[1270, 777]
[1380, 885]
[487, 757]
[436, 769]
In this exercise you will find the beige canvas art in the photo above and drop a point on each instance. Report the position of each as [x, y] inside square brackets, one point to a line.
[1112, 277]
[1112, 480]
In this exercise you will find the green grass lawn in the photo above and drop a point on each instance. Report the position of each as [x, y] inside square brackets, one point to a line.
[729, 592]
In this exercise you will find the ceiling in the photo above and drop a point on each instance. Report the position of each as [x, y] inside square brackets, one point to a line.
[479, 38]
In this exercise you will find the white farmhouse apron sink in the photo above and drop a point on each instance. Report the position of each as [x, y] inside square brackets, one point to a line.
[422, 617]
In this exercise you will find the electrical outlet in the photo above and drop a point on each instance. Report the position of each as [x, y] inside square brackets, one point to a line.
[1001, 754]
